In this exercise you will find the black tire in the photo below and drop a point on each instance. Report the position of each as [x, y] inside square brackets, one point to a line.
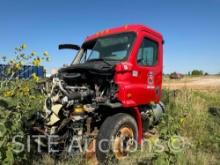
[109, 129]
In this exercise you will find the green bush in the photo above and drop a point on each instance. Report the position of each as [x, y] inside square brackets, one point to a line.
[197, 73]
[18, 100]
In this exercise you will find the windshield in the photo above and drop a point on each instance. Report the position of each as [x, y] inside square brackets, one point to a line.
[110, 48]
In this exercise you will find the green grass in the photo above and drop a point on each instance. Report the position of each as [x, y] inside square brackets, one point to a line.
[187, 115]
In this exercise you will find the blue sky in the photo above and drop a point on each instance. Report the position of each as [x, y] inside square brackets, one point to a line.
[191, 28]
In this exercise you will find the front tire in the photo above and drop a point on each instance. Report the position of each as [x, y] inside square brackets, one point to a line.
[116, 136]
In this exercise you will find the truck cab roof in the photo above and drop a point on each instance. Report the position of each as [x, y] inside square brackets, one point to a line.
[126, 28]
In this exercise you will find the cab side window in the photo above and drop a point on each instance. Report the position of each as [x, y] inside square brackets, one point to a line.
[147, 53]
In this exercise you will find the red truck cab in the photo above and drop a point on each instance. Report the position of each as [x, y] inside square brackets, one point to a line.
[139, 77]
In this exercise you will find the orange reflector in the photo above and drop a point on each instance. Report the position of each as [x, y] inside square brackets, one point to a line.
[129, 95]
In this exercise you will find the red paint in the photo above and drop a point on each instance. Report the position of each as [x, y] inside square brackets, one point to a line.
[139, 124]
[141, 89]
[126, 28]
[145, 87]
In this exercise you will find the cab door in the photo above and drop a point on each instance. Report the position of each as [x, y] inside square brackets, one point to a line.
[149, 68]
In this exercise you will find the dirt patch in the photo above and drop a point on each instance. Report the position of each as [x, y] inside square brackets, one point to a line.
[209, 82]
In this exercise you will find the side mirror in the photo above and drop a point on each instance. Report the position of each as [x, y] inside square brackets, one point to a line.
[68, 46]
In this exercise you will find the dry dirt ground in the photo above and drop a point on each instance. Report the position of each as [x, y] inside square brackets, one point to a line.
[200, 83]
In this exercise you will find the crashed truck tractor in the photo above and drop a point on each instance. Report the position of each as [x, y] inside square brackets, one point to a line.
[110, 91]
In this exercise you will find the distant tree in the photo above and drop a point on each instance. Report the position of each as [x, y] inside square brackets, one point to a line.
[197, 73]
[206, 74]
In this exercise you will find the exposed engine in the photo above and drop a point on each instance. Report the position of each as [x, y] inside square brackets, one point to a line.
[76, 94]
[72, 108]
[86, 85]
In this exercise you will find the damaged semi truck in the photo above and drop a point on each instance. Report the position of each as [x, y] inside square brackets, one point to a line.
[110, 92]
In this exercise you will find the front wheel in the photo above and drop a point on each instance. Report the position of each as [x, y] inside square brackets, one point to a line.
[116, 137]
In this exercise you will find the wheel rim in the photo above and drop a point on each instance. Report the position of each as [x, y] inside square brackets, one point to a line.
[123, 142]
